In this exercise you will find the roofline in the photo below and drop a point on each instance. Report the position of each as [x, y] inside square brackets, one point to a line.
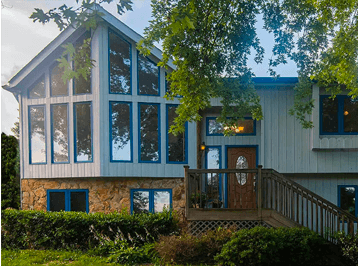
[271, 80]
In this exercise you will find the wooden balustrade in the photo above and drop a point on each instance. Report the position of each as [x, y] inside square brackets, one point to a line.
[205, 190]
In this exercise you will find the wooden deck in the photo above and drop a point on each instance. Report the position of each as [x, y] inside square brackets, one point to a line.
[279, 201]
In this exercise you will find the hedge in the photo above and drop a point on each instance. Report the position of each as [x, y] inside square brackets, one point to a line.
[78, 230]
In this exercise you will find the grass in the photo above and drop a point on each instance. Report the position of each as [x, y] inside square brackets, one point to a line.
[50, 257]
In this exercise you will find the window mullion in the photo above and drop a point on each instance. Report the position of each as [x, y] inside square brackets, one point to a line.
[67, 200]
[151, 201]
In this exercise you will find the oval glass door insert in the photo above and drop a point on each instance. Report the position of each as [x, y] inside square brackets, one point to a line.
[241, 163]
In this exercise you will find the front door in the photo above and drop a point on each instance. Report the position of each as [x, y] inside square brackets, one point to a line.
[241, 187]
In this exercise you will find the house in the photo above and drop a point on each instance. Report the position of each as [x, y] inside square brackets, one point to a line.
[102, 145]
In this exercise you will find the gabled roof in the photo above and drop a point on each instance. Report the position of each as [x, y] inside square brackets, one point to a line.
[65, 36]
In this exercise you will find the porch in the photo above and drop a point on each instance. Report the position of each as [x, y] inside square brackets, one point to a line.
[251, 197]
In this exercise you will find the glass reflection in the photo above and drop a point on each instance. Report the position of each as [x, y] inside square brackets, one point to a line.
[82, 85]
[37, 134]
[83, 132]
[38, 90]
[242, 127]
[148, 76]
[60, 133]
[348, 200]
[121, 126]
[176, 144]
[58, 87]
[161, 200]
[330, 115]
[241, 163]
[350, 114]
[149, 132]
[119, 64]
[141, 201]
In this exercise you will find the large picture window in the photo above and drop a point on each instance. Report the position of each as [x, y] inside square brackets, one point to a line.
[177, 145]
[82, 85]
[150, 200]
[83, 131]
[347, 196]
[121, 131]
[149, 133]
[119, 64]
[243, 127]
[67, 200]
[148, 77]
[338, 115]
[37, 134]
[38, 89]
[59, 133]
[58, 87]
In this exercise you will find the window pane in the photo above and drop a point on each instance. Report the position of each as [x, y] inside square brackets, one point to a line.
[37, 135]
[141, 201]
[81, 85]
[57, 201]
[78, 201]
[176, 144]
[330, 115]
[215, 127]
[121, 128]
[242, 127]
[212, 162]
[161, 200]
[60, 133]
[83, 132]
[348, 200]
[350, 115]
[120, 64]
[58, 87]
[149, 132]
[38, 90]
[148, 75]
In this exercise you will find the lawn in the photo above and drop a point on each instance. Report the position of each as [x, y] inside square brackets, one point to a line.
[50, 257]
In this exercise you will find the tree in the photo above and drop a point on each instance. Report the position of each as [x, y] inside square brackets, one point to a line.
[10, 172]
[210, 41]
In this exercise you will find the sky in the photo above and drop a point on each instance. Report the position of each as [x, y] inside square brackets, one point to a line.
[22, 40]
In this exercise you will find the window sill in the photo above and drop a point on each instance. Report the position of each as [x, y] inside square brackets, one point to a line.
[345, 142]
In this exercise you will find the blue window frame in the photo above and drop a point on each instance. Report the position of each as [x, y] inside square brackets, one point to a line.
[67, 200]
[245, 127]
[150, 200]
[119, 64]
[120, 131]
[148, 76]
[149, 133]
[177, 146]
[60, 133]
[213, 161]
[338, 116]
[347, 198]
[37, 134]
[83, 139]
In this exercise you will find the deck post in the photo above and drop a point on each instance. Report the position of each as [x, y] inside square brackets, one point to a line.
[186, 182]
[259, 191]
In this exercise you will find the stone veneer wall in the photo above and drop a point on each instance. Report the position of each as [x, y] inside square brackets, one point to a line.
[104, 194]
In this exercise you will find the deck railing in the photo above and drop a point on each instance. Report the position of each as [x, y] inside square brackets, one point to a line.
[273, 191]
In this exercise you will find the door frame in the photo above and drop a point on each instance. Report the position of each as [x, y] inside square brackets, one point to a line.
[226, 152]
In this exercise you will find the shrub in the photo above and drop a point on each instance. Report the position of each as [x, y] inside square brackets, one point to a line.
[274, 246]
[349, 246]
[186, 248]
[61, 230]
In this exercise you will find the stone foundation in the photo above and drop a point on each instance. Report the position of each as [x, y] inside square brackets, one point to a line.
[104, 194]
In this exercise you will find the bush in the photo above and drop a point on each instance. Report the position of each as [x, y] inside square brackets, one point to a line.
[185, 249]
[274, 246]
[76, 230]
[349, 246]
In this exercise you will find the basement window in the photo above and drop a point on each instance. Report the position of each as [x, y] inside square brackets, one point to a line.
[150, 200]
[67, 200]
[347, 198]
